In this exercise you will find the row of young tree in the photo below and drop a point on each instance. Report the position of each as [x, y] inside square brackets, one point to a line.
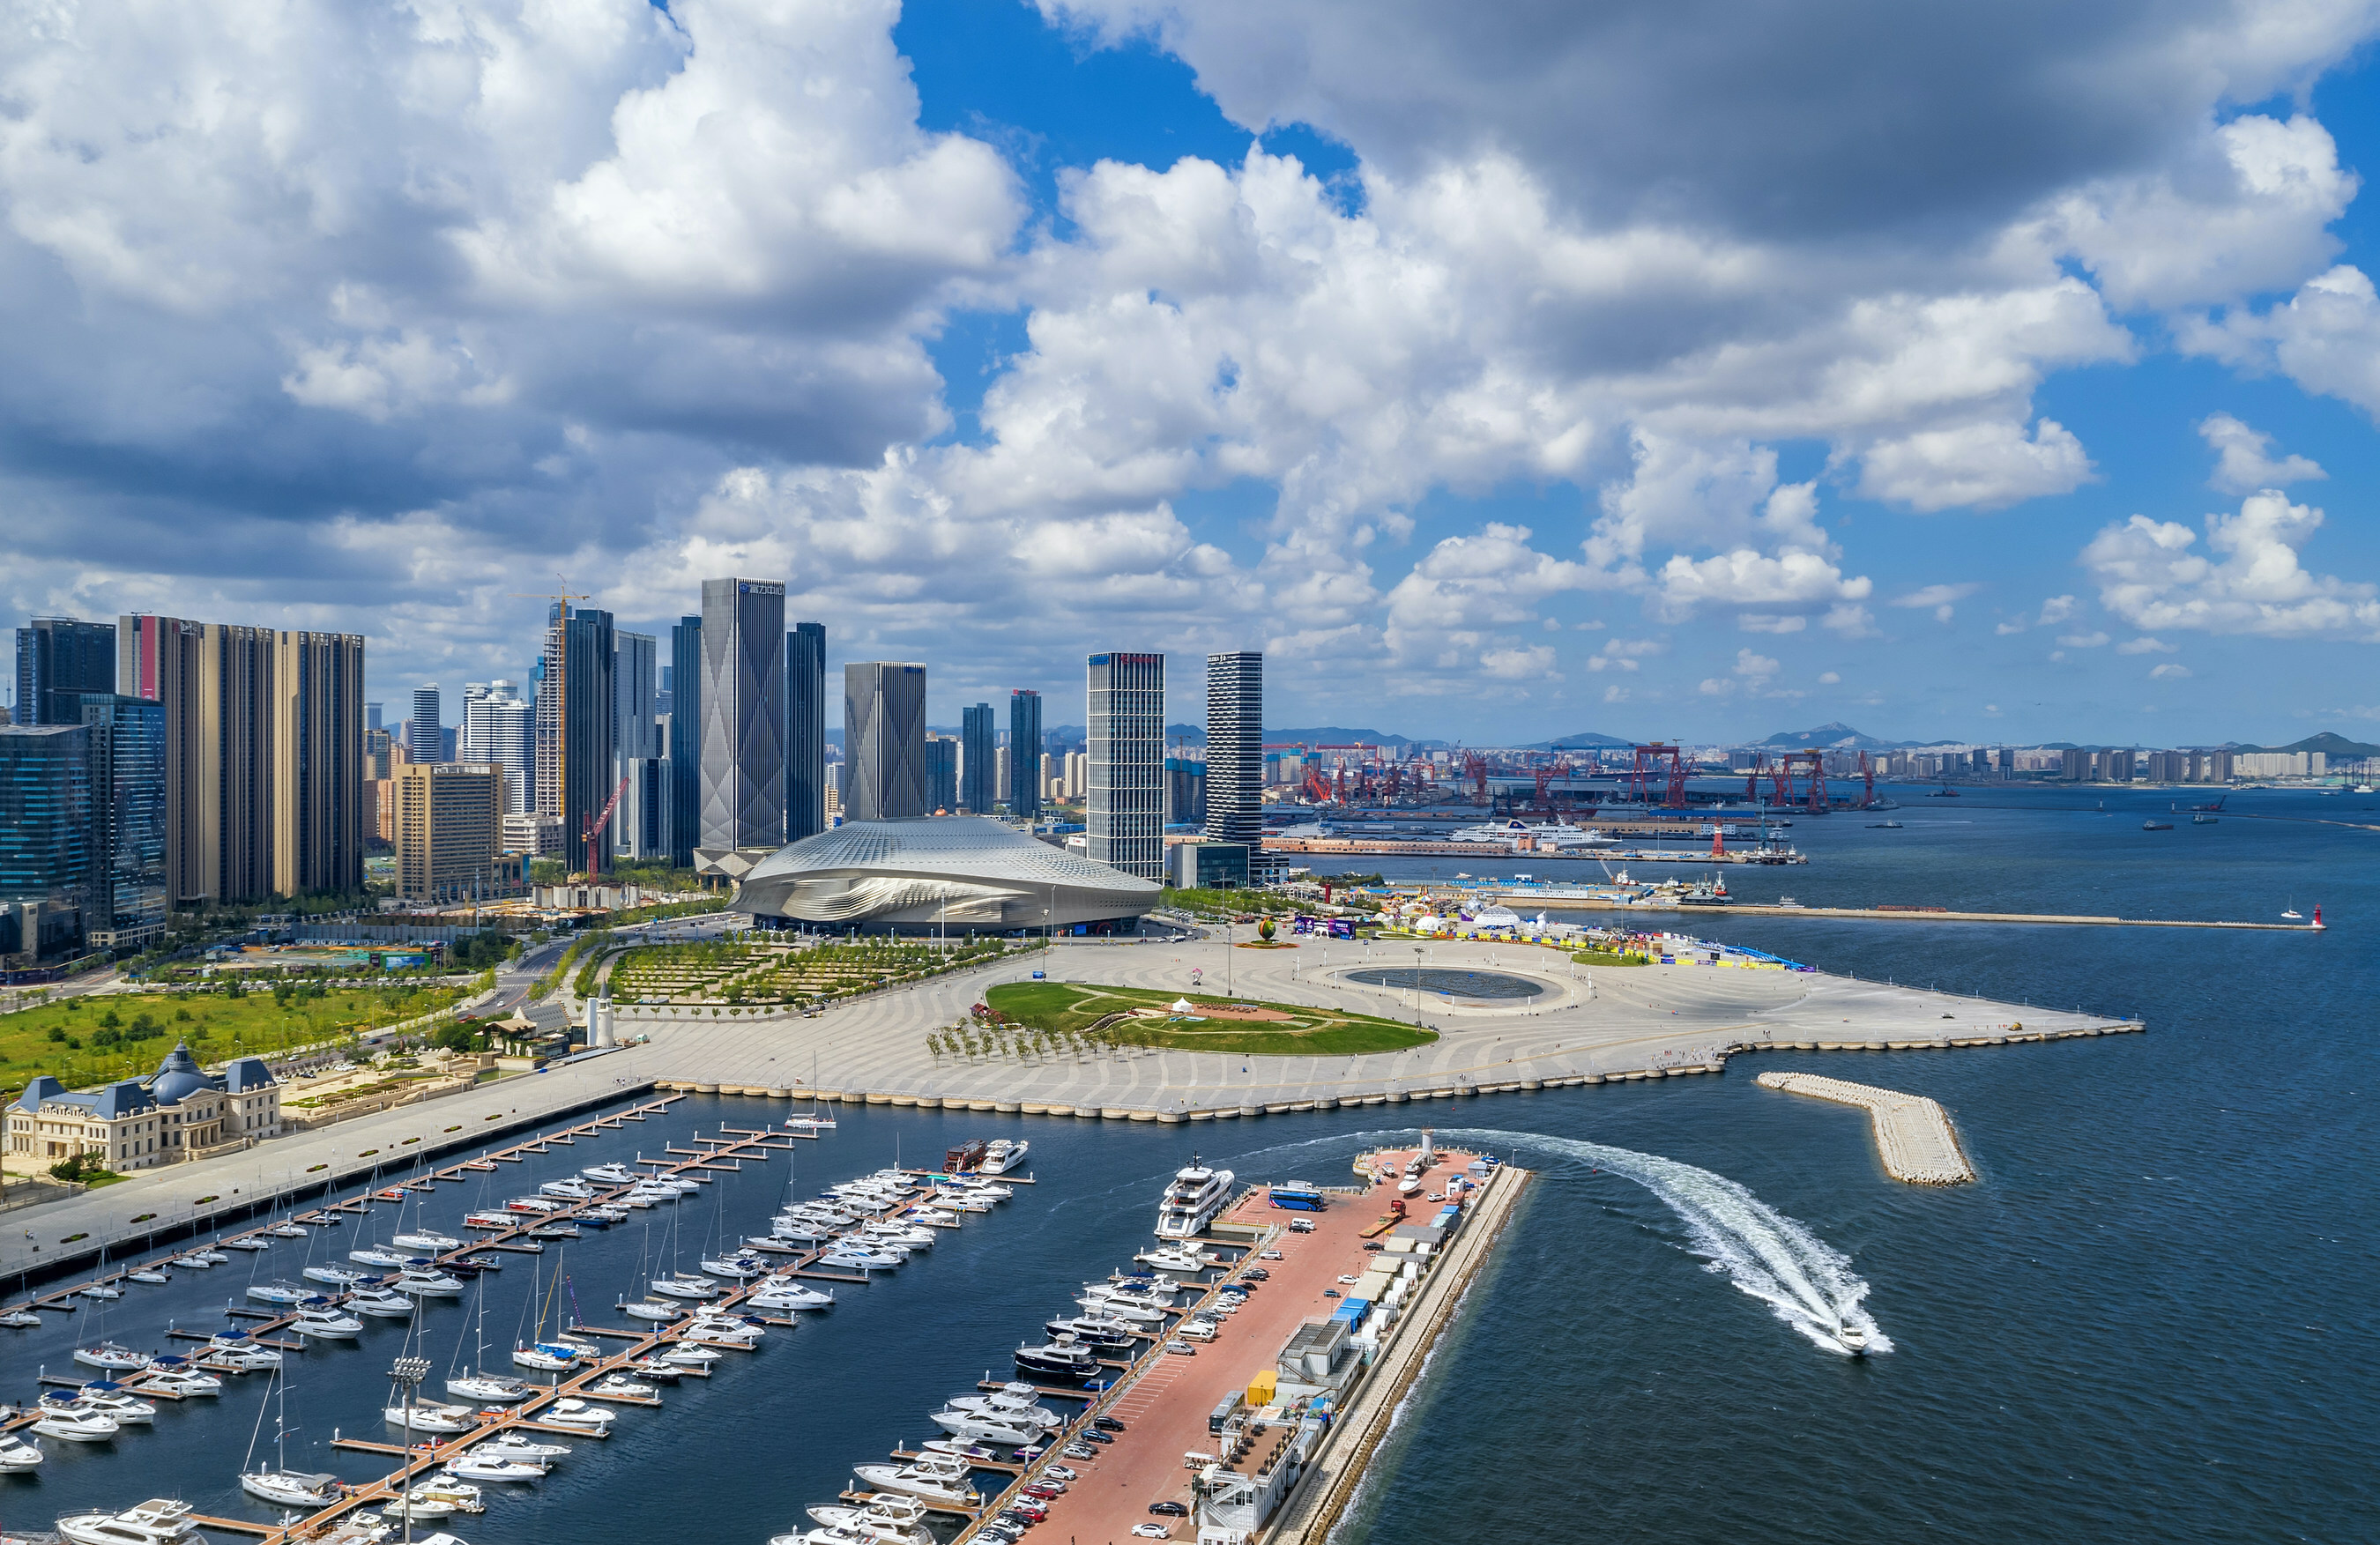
[1000, 1040]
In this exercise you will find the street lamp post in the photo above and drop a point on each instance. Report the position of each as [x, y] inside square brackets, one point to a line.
[1416, 987]
[409, 1372]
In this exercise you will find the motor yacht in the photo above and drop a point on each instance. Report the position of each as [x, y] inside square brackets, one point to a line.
[930, 1479]
[660, 1311]
[802, 1231]
[1178, 1261]
[695, 1360]
[381, 1302]
[610, 1174]
[426, 1283]
[472, 1466]
[113, 1355]
[460, 1495]
[99, 1290]
[850, 1257]
[490, 1389]
[555, 1230]
[620, 1387]
[1096, 1332]
[183, 1383]
[652, 1368]
[769, 1244]
[1132, 1314]
[293, 1488]
[154, 1522]
[417, 1509]
[1003, 1155]
[237, 1349]
[683, 1286]
[424, 1240]
[326, 1324]
[965, 1201]
[539, 1205]
[897, 1231]
[884, 1520]
[1062, 1359]
[737, 1269]
[75, 1424]
[792, 1295]
[547, 1357]
[105, 1399]
[17, 1454]
[196, 1262]
[937, 1449]
[148, 1274]
[975, 1185]
[373, 1255]
[518, 1445]
[594, 1420]
[1197, 1193]
[246, 1242]
[337, 1276]
[430, 1416]
[934, 1217]
[1011, 1406]
[21, 1320]
[570, 1188]
[719, 1335]
[490, 1221]
[279, 1292]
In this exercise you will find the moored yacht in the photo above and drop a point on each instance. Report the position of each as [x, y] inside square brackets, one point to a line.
[1003, 1155]
[1060, 1360]
[1197, 1193]
[293, 1488]
[154, 1522]
[930, 1478]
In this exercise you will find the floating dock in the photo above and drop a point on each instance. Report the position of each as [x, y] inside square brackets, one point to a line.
[1913, 1135]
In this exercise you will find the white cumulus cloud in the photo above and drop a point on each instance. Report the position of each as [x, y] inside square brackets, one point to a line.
[2245, 461]
[2247, 578]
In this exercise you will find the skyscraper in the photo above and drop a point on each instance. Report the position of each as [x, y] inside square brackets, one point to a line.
[1234, 790]
[1125, 822]
[1024, 775]
[424, 730]
[941, 775]
[686, 739]
[743, 724]
[575, 754]
[978, 754]
[58, 660]
[128, 803]
[317, 762]
[804, 730]
[499, 727]
[883, 740]
[635, 692]
[48, 841]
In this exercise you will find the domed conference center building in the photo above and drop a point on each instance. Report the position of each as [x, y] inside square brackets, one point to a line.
[943, 874]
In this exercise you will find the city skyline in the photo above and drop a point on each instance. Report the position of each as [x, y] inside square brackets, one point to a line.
[1509, 394]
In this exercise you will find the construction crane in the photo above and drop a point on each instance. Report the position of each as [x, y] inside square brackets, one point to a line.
[596, 823]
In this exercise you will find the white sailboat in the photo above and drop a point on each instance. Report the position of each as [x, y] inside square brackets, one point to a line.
[278, 1483]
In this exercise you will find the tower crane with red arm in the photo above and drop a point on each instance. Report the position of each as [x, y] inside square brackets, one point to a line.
[594, 824]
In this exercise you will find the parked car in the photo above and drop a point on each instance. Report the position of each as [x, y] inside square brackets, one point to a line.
[1301, 1225]
[1181, 1348]
[1269, 1255]
[1169, 1509]
[1152, 1531]
[1108, 1424]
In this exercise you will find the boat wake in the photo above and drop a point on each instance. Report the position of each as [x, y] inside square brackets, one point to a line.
[1805, 1282]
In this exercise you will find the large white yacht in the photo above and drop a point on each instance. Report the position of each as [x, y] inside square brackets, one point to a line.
[154, 1522]
[1002, 1154]
[1191, 1202]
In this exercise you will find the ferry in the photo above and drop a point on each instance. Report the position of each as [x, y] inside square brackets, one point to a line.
[1297, 1196]
[1191, 1202]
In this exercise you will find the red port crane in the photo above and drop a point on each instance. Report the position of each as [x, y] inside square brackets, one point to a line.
[1663, 761]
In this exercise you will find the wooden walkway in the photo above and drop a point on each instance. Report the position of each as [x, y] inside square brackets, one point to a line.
[1913, 1135]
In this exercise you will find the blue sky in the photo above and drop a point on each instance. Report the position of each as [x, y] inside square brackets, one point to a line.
[1676, 373]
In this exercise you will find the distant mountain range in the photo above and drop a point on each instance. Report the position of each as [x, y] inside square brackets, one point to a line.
[1834, 735]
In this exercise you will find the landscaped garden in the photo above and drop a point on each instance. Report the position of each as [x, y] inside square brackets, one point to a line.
[1145, 1016]
[738, 972]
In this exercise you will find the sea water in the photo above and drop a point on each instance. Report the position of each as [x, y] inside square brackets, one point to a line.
[2151, 1319]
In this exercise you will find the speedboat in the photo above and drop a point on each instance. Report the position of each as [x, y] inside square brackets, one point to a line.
[430, 1417]
[685, 1287]
[327, 1324]
[373, 1255]
[1003, 1155]
[21, 1320]
[293, 1488]
[279, 1292]
[382, 1302]
[490, 1389]
[426, 1241]
[515, 1445]
[594, 1420]
[148, 1274]
[1062, 1359]
[113, 1355]
[1197, 1193]
[428, 1283]
[1851, 1338]
[470, 1467]
[75, 1423]
[16, 1453]
[792, 1295]
[547, 1357]
[929, 1480]
[154, 1522]
[196, 1262]
[337, 1276]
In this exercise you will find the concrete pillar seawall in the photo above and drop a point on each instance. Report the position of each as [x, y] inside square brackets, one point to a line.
[1913, 1135]
[1331, 1480]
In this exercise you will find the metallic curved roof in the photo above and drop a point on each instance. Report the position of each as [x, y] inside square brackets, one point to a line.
[964, 870]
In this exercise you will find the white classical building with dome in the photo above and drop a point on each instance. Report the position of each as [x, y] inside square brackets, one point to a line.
[948, 874]
[179, 1111]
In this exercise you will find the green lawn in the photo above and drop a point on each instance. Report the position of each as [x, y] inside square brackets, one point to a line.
[1605, 957]
[217, 1027]
[1062, 1008]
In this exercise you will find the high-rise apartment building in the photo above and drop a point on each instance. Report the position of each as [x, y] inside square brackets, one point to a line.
[1234, 773]
[686, 739]
[1026, 776]
[127, 804]
[425, 735]
[48, 841]
[58, 660]
[1124, 823]
[264, 735]
[743, 724]
[576, 775]
[941, 775]
[804, 730]
[498, 727]
[883, 740]
[449, 828]
[641, 826]
[979, 759]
